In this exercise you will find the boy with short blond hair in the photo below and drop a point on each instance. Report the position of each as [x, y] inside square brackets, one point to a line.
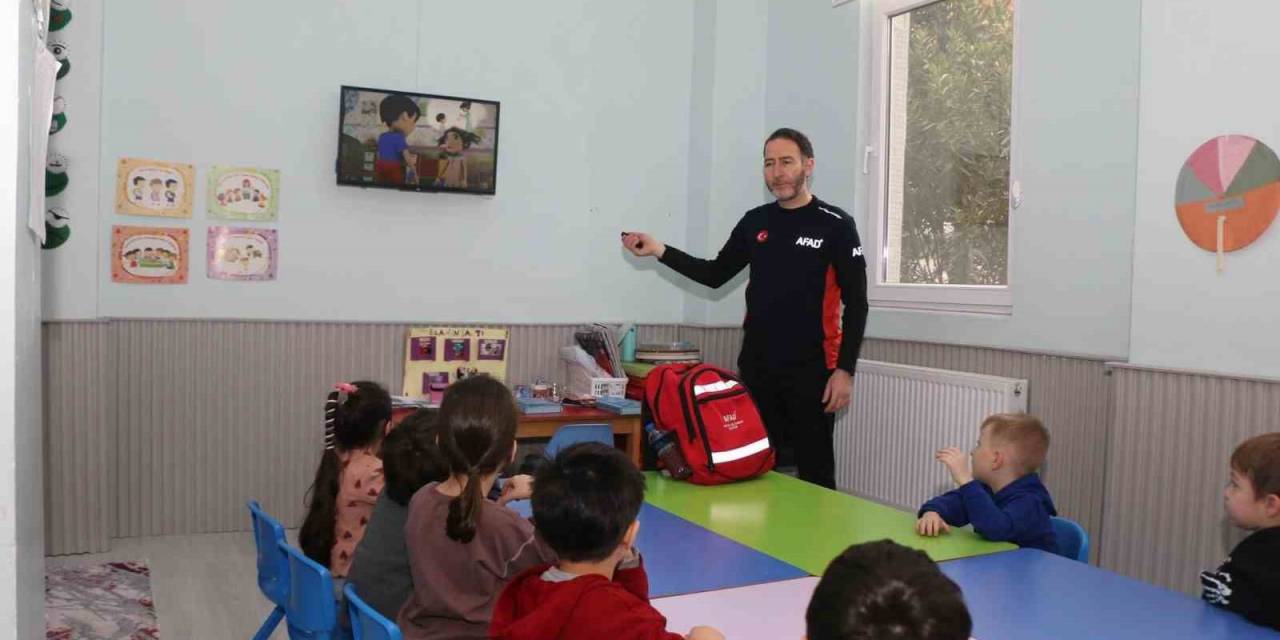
[1249, 581]
[1002, 495]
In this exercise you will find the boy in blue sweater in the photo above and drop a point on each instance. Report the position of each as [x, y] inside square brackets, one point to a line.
[1002, 496]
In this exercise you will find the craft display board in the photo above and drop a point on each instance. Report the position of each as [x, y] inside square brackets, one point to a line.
[435, 357]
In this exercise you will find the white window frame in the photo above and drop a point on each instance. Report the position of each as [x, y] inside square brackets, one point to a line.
[985, 299]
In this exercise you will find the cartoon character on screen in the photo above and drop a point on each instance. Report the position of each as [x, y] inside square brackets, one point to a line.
[157, 190]
[171, 191]
[138, 183]
[400, 114]
[464, 110]
[453, 160]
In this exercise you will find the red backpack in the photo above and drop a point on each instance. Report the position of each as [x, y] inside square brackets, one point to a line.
[715, 420]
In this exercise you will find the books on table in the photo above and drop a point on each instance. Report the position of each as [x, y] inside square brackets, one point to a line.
[620, 406]
[535, 406]
[413, 402]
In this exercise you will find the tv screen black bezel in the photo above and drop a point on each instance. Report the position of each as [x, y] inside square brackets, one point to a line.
[337, 161]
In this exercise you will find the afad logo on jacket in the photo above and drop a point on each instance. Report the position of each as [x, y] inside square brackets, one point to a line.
[812, 243]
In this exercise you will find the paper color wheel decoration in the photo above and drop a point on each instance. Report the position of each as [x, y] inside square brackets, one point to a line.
[1228, 193]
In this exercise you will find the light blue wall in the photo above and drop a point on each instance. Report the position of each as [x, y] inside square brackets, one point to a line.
[731, 42]
[1207, 70]
[797, 45]
[1076, 136]
[594, 139]
[1075, 149]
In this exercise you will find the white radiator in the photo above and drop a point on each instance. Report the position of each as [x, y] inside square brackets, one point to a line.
[900, 415]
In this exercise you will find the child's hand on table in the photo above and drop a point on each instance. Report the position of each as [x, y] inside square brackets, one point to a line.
[704, 633]
[517, 488]
[932, 525]
[957, 463]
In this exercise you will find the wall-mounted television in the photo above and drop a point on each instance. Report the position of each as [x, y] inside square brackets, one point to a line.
[417, 141]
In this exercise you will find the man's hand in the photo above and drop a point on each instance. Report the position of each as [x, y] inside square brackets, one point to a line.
[932, 525]
[517, 488]
[957, 463]
[839, 390]
[643, 244]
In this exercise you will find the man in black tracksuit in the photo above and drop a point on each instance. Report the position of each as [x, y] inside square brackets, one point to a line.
[798, 350]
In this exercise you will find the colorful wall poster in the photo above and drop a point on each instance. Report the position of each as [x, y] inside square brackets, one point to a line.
[243, 193]
[149, 255]
[436, 357]
[239, 253]
[154, 188]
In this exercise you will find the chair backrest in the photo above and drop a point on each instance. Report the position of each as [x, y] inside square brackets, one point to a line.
[366, 622]
[572, 434]
[273, 562]
[1073, 540]
[310, 612]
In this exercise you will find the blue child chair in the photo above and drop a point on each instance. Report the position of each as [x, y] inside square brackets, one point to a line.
[565, 437]
[273, 566]
[310, 612]
[366, 622]
[572, 434]
[1073, 540]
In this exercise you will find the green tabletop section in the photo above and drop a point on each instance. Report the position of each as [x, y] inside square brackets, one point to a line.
[801, 523]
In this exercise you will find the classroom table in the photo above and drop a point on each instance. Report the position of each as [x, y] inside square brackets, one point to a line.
[1019, 595]
[1032, 594]
[545, 425]
[681, 557]
[772, 611]
[801, 523]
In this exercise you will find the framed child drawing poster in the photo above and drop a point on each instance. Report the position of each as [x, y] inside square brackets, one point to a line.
[236, 253]
[154, 188]
[436, 357]
[243, 193]
[149, 255]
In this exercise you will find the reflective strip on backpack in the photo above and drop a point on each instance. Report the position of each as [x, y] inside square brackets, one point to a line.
[721, 457]
[719, 385]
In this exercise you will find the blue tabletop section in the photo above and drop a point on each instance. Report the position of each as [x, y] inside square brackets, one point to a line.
[1029, 594]
[681, 557]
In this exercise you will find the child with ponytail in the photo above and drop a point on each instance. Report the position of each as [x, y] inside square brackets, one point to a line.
[462, 547]
[349, 479]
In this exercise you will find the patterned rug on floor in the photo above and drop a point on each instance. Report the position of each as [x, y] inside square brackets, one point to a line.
[106, 601]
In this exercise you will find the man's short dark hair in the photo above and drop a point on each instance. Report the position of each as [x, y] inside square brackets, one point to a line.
[411, 458]
[882, 590]
[585, 500]
[801, 140]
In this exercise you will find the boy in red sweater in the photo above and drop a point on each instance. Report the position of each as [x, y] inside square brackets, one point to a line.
[585, 504]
